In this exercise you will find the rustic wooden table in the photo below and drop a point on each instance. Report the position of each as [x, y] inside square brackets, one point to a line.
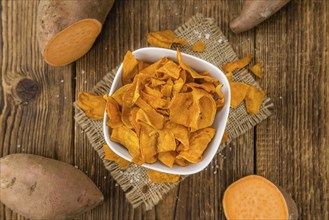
[291, 148]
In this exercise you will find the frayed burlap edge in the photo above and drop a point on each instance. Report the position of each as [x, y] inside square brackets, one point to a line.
[134, 181]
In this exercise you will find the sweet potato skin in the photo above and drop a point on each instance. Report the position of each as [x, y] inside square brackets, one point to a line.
[254, 12]
[41, 188]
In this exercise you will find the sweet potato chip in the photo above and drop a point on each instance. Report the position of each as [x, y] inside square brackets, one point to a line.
[164, 39]
[127, 104]
[152, 69]
[193, 73]
[207, 86]
[156, 120]
[127, 138]
[154, 92]
[225, 137]
[167, 158]
[183, 110]
[180, 162]
[198, 143]
[166, 90]
[129, 68]
[238, 93]
[113, 113]
[92, 105]
[239, 64]
[153, 101]
[220, 100]
[166, 141]
[182, 147]
[180, 132]
[257, 70]
[110, 155]
[156, 82]
[148, 144]
[207, 108]
[178, 84]
[199, 46]
[156, 42]
[208, 111]
[171, 69]
[133, 120]
[229, 76]
[142, 65]
[117, 95]
[254, 99]
[159, 177]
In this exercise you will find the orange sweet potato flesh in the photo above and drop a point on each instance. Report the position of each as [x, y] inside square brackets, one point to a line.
[254, 197]
[66, 30]
[254, 12]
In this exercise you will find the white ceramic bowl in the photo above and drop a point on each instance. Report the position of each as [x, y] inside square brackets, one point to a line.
[154, 54]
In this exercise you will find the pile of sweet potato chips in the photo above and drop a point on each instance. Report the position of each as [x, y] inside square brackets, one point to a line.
[164, 110]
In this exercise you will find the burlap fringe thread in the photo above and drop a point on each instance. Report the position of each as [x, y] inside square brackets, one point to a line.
[134, 181]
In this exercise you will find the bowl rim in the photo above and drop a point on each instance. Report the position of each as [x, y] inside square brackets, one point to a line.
[226, 109]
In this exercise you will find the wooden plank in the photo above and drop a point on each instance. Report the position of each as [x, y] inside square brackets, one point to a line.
[125, 29]
[200, 195]
[292, 146]
[29, 127]
[1, 61]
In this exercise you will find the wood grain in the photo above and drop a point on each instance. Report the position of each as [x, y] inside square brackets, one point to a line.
[43, 125]
[290, 148]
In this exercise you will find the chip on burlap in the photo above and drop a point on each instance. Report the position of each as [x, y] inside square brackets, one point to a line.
[134, 181]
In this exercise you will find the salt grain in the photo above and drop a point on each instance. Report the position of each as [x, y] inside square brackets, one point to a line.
[104, 177]
[280, 97]
[220, 41]
[215, 172]
[65, 97]
[207, 36]
[57, 96]
[82, 72]
[18, 145]
[76, 166]
[85, 81]
[62, 80]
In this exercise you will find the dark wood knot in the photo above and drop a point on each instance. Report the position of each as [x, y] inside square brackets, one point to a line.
[25, 89]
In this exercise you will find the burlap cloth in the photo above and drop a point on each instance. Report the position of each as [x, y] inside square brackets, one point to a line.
[134, 181]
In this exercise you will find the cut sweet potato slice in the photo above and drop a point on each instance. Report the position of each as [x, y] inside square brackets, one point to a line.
[254, 197]
[66, 30]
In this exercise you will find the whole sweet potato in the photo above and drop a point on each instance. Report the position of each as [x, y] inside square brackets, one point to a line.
[41, 188]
